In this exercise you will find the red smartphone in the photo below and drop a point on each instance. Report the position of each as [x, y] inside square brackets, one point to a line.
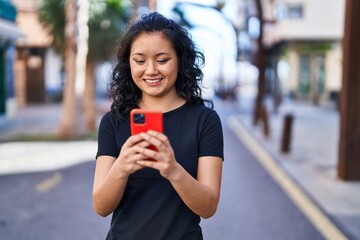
[144, 120]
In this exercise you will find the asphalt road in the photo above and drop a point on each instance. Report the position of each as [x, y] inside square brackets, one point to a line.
[57, 205]
[51, 206]
[252, 205]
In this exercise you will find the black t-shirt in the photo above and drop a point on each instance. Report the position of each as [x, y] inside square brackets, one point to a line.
[150, 208]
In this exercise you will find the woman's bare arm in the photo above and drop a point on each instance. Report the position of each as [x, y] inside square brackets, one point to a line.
[201, 195]
[108, 187]
[111, 175]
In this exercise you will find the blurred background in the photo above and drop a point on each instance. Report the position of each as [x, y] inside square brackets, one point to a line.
[283, 73]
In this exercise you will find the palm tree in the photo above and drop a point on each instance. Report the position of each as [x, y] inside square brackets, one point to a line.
[260, 62]
[68, 122]
[106, 19]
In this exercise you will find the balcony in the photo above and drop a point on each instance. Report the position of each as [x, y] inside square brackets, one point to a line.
[302, 21]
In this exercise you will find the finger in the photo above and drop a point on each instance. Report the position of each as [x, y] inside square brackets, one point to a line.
[148, 153]
[153, 140]
[139, 157]
[146, 163]
[134, 139]
[143, 144]
[162, 137]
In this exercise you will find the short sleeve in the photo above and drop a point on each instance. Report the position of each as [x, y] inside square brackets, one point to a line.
[211, 137]
[106, 137]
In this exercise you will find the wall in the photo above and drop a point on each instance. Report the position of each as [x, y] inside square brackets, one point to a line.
[315, 24]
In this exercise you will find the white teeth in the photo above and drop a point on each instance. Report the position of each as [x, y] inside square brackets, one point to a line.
[152, 80]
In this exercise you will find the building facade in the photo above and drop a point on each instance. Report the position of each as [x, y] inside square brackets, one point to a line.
[9, 34]
[308, 40]
[39, 71]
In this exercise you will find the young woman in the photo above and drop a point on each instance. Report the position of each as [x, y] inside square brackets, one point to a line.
[158, 68]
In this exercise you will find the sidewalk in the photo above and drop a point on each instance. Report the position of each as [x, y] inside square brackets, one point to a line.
[311, 162]
[32, 156]
[313, 157]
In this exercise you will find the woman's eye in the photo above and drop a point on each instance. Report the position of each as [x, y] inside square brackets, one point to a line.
[139, 61]
[162, 61]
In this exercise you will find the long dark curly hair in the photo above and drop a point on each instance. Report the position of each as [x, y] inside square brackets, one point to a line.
[123, 92]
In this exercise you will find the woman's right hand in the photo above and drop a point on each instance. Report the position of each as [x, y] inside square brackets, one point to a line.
[126, 162]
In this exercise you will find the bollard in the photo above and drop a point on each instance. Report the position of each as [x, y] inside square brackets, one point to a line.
[265, 120]
[286, 134]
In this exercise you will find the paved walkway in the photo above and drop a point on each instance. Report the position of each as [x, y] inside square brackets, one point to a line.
[32, 156]
[313, 157]
[311, 162]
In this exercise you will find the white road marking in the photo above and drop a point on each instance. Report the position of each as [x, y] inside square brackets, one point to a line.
[49, 183]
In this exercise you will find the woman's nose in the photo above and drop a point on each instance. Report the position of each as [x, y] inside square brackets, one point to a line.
[151, 68]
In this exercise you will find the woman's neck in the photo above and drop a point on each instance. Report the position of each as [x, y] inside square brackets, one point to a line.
[163, 105]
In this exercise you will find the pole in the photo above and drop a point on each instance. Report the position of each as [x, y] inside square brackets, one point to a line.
[349, 150]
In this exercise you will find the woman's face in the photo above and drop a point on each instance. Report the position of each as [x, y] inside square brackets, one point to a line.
[154, 65]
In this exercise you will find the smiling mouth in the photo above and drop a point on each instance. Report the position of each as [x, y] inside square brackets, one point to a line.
[152, 81]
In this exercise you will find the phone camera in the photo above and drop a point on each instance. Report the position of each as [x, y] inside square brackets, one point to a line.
[139, 118]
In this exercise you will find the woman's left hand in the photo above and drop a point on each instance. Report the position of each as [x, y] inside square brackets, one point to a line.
[164, 157]
[201, 195]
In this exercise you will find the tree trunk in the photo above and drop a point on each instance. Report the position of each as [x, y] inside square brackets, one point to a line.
[349, 151]
[68, 122]
[89, 98]
[84, 88]
[76, 38]
[260, 60]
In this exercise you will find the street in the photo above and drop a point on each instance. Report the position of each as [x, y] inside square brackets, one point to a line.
[293, 175]
[51, 205]
[57, 204]
[252, 205]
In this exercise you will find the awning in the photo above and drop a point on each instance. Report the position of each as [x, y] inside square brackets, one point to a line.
[9, 30]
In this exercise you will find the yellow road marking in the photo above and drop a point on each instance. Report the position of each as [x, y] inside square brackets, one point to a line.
[304, 203]
[49, 183]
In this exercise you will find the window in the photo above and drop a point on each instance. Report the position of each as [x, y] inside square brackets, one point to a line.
[288, 11]
[311, 74]
[320, 74]
[304, 74]
[295, 11]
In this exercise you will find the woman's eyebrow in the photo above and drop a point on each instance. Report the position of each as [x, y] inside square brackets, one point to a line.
[141, 54]
[158, 54]
[162, 53]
